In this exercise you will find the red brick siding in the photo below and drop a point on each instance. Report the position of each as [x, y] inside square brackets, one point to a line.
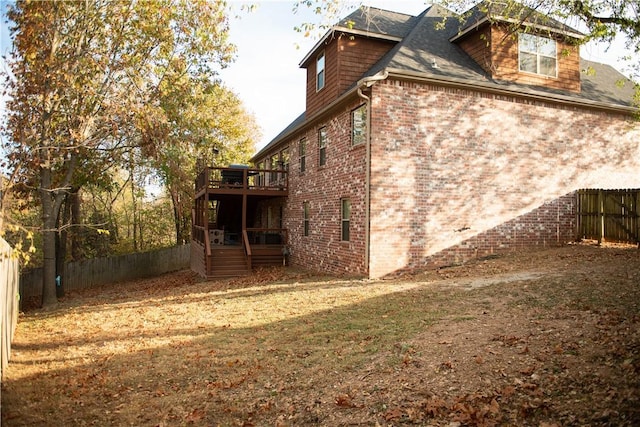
[457, 173]
[323, 187]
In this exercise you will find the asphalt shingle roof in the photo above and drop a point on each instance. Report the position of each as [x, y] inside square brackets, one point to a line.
[426, 50]
[513, 11]
[379, 22]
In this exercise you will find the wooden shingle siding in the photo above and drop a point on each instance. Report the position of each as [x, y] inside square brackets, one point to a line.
[347, 58]
[317, 99]
[477, 46]
[356, 56]
[495, 49]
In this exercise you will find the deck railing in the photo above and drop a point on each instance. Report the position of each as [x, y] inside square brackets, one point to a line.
[242, 179]
[267, 236]
[247, 248]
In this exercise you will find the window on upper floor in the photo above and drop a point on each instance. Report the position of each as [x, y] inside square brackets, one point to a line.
[273, 165]
[537, 55]
[320, 72]
[302, 154]
[322, 146]
[359, 125]
[345, 213]
[284, 159]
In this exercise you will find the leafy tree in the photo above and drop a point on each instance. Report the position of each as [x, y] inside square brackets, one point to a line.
[85, 87]
[201, 119]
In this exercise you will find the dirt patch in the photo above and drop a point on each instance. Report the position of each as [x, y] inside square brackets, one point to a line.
[545, 338]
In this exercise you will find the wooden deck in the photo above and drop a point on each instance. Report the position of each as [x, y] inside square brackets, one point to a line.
[232, 261]
[223, 244]
[242, 181]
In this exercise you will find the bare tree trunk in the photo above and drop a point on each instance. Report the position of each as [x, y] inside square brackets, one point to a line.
[62, 239]
[135, 206]
[76, 241]
[48, 240]
[177, 214]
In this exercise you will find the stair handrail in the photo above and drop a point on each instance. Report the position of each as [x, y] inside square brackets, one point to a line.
[247, 247]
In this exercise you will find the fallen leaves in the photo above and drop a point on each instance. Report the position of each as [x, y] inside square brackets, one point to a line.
[285, 349]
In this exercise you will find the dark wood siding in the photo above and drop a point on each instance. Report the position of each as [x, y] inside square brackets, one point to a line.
[478, 46]
[495, 49]
[347, 58]
[357, 55]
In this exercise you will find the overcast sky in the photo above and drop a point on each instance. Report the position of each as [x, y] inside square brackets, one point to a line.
[266, 74]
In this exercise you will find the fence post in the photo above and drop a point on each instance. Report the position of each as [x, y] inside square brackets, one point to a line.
[9, 276]
[600, 216]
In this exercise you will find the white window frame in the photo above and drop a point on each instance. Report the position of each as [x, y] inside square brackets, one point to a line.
[302, 154]
[322, 146]
[345, 219]
[538, 54]
[359, 136]
[320, 71]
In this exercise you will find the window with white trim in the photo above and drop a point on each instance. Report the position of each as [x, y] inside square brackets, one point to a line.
[302, 154]
[359, 125]
[537, 55]
[345, 214]
[320, 72]
[322, 146]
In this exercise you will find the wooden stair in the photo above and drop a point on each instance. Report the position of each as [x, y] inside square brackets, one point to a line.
[227, 261]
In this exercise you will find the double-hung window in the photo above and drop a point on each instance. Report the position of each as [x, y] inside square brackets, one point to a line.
[538, 55]
[273, 165]
[359, 125]
[302, 154]
[320, 72]
[345, 213]
[322, 146]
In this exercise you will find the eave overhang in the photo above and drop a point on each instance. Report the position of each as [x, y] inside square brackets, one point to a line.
[493, 19]
[488, 87]
[344, 30]
[520, 92]
[351, 93]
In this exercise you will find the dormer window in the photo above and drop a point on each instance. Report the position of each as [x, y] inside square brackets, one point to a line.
[538, 55]
[320, 72]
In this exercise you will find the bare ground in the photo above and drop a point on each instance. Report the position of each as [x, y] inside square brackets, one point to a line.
[542, 338]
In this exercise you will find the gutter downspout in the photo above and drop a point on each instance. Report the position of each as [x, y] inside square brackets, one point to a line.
[366, 83]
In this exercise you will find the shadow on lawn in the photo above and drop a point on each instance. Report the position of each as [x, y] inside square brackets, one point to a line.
[154, 375]
[319, 362]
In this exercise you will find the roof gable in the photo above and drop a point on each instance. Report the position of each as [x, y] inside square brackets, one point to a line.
[368, 22]
[487, 12]
[427, 50]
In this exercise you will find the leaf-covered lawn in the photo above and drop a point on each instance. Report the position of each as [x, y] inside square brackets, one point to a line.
[544, 338]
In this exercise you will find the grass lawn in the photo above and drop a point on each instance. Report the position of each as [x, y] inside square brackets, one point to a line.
[545, 338]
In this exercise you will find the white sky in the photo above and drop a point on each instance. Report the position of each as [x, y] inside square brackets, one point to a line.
[266, 75]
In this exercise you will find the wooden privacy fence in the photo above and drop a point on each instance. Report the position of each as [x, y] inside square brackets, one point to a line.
[609, 215]
[9, 299]
[104, 271]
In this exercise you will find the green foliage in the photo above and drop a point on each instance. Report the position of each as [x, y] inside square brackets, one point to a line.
[101, 84]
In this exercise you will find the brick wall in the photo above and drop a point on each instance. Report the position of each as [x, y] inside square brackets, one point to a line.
[323, 187]
[458, 174]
